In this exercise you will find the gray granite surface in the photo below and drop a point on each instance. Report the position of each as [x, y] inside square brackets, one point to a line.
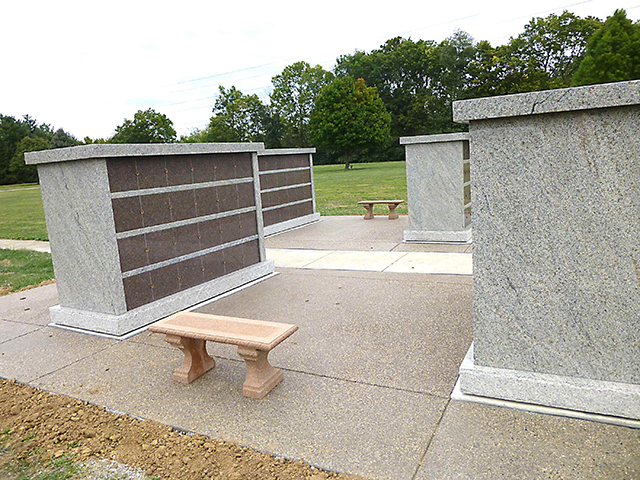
[560, 391]
[289, 224]
[435, 189]
[286, 151]
[549, 101]
[556, 257]
[136, 150]
[444, 137]
[77, 207]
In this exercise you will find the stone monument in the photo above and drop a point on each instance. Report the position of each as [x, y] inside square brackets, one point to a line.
[556, 259]
[139, 232]
[286, 184]
[438, 188]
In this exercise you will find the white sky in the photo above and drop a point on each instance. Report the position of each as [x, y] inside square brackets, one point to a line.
[86, 66]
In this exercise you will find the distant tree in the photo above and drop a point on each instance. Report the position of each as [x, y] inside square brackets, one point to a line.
[237, 118]
[194, 136]
[147, 126]
[90, 141]
[349, 117]
[292, 100]
[19, 172]
[612, 54]
[11, 132]
[63, 139]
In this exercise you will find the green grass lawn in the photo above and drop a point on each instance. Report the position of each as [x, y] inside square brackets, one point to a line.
[338, 191]
[21, 213]
[22, 268]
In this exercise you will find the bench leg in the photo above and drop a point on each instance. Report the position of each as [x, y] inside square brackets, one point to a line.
[369, 214]
[392, 211]
[261, 375]
[196, 359]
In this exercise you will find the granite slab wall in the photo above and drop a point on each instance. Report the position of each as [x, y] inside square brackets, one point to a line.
[556, 195]
[139, 232]
[286, 187]
[438, 188]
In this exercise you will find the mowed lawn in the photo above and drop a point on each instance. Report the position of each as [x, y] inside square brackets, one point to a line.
[338, 191]
[21, 213]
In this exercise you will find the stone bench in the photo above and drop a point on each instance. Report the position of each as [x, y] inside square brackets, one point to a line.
[190, 331]
[392, 204]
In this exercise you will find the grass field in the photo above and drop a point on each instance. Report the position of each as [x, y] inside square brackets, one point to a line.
[21, 213]
[338, 191]
[22, 268]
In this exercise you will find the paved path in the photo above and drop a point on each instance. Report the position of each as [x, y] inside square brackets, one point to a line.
[25, 245]
[368, 377]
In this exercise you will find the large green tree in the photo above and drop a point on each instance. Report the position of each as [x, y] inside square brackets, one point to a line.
[349, 117]
[236, 118]
[147, 126]
[613, 53]
[544, 56]
[292, 100]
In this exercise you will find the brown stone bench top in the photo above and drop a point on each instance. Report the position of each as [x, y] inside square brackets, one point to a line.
[256, 334]
[376, 202]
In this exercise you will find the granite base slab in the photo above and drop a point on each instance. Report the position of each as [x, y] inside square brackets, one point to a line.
[119, 325]
[291, 224]
[425, 236]
[558, 391]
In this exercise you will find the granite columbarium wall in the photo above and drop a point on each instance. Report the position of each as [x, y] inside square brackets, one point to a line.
[286, 185]
[556, 259]
[438, 188]
[139, 232]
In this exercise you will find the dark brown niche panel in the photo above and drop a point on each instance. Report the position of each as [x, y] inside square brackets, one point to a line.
[277, 215]
[155, 211]
[139, 173]
[164, 281]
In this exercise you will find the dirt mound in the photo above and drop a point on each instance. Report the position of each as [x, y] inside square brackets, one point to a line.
[58, 425]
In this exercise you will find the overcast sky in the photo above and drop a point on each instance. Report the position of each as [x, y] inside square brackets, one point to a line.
[86, 66]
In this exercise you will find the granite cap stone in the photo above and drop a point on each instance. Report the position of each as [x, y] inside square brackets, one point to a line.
[445, 137]
[608, 95]
[287, 151]
[84, 152]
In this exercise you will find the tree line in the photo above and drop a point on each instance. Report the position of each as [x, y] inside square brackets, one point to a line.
[358, 111]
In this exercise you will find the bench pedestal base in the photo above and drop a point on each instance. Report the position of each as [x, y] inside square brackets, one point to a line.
[261, 375]
[196, 359]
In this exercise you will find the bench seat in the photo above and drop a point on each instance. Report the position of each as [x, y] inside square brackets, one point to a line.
[392, 204]
[190, 331]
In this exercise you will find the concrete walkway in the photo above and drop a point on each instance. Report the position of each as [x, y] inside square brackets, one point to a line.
[368, 377]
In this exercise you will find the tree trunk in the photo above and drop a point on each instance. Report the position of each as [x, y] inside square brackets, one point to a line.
[347, 165]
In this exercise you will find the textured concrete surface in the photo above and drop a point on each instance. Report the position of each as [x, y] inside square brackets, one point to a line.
[483, 442]
[433, 263]
[398, 262]
[11, 330]
[344, 233]
[366, 383]
[339, 425]
[30, 307]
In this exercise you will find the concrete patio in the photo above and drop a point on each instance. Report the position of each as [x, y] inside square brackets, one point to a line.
[368, 376]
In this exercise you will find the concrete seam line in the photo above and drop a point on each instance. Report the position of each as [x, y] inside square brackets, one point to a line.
[430, 441]
[22, 334]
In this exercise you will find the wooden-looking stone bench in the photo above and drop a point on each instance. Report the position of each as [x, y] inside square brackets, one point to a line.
[190, 331]
[392, 204]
